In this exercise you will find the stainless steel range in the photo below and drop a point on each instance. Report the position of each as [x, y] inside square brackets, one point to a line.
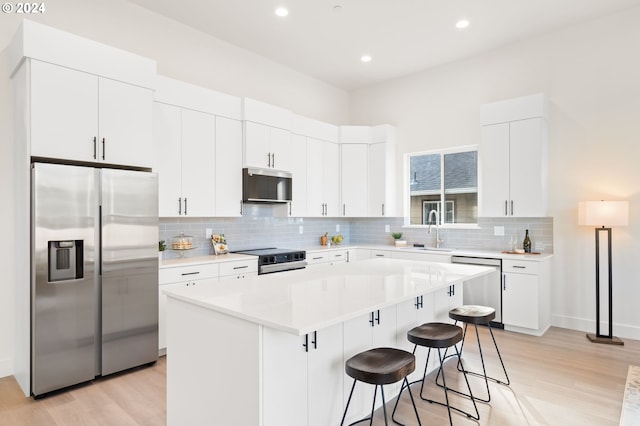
[277, 260]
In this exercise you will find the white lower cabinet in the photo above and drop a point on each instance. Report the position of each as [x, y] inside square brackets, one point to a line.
[525, 296]
[327, 257]
[302, 377]
[375, 329]
[239, 269]
[446, 299]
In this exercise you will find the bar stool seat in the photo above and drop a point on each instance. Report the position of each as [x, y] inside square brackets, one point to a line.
[381, 366]
[479, 315]
[436, 335]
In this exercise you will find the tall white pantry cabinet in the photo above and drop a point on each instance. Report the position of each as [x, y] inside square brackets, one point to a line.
[513, 158]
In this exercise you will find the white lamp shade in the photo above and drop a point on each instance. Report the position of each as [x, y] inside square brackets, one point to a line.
[603, 213]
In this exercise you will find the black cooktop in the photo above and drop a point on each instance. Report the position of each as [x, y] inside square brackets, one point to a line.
[269, 256]
[271, 251]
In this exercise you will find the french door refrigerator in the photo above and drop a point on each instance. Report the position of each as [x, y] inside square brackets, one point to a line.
[94, 277]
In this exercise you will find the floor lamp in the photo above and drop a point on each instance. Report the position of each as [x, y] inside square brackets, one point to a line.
[605, 214]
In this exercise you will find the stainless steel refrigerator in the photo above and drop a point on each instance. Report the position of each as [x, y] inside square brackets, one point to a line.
[94, 277]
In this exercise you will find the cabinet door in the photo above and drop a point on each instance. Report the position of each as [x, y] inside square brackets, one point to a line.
[325, 370]
[494, 171]
[358, 334]
[282, 158]
[257, 148]
[377, 177]
[354, 162]
[228, 167]
[520, 300]
[167, 157]
[284, 378]
[442, 305]
[315, 178]
[331, 178]
[125, 123]
[64, 113]
[526, 181]
[299, 170]
[198, 162]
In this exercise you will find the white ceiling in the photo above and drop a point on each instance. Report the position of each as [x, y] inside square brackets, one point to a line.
[402, 36]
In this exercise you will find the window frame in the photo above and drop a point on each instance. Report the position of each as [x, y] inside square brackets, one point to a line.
[406, 201]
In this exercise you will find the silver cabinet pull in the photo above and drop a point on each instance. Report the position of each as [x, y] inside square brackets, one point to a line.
[180, 206]
[344, 209]
[190, 273]
[273, 160]
[511, 207]
[506, 212]
[382, 209]
[103, 148]
[95, 148]
[504, 282]
[268, 159]
[241, 267]
[185, 206]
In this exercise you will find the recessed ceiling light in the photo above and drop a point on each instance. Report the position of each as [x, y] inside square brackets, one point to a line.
[282, 11]
[366, 58]
[462, 23]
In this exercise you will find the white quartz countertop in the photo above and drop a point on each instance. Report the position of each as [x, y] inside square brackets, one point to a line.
[494, 254]
[307, 300]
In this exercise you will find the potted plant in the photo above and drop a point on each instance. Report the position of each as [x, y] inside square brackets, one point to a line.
[162, 246]
[398, 242]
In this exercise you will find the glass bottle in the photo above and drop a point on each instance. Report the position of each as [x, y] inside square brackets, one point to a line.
[526, 244]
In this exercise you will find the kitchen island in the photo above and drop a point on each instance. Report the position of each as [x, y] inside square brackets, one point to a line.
[269, 350]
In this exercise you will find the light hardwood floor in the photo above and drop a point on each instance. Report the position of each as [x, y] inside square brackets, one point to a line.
[558, 379]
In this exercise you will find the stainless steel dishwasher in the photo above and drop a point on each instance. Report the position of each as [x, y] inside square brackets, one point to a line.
[485, 290]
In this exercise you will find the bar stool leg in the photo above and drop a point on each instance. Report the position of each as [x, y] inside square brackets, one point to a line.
[484, 370]
[348, 402]
[446, 389]
[415, 410]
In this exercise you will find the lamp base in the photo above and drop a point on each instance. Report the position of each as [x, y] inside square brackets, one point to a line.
[605, 340]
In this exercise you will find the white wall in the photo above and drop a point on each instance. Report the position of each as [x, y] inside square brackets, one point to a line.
[181, 53]
[591, 73]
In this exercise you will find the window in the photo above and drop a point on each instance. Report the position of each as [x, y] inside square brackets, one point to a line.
[446, 178]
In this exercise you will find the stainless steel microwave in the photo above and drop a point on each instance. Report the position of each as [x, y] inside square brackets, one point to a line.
[266, 185]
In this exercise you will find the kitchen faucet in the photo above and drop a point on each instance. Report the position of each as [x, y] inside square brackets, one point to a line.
[438, 240]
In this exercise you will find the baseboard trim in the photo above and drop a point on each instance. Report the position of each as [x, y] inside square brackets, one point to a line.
[6, 367]
[589, 326]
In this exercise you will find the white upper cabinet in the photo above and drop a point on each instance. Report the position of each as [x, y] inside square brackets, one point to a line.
[167, 158]
[84, 101]
[184, 159]
[323, 178]
[197, 154]
[368, 170]
[513, 158]
[354, 163]
[382, 172]
[82, 117]
[198, 163]
[298, 206]
[266, 146]
[267, 135]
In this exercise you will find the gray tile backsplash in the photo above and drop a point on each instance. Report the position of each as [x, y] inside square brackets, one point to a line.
[261, 227]
[371, 231]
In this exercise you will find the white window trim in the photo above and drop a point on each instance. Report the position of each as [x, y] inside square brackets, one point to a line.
[406, 192]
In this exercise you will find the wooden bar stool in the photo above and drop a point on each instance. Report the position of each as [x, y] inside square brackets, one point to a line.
[381, 366]
[439, 335]
[483, 315]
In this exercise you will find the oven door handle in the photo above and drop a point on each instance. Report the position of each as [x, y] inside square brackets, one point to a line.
[285, 266]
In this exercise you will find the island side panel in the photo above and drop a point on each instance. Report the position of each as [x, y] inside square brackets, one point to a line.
[213, 367]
